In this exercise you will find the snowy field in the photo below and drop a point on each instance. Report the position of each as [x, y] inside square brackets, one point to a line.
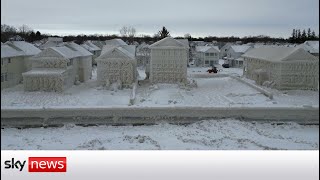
[211, 92]
[226, 134]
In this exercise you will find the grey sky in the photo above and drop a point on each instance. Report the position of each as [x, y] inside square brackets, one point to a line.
[197, 17]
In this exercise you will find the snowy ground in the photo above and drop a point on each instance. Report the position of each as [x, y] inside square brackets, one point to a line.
[211, 92]
[210, 134]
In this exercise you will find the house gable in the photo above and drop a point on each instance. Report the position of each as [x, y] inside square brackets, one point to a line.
[168, 42]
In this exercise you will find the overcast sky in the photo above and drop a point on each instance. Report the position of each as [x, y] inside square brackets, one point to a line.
[275, 18]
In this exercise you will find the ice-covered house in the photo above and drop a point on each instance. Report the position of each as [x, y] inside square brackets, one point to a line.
[11, 66]
[143, 55]
[234, 53]
[117, 65]
[15, 59]
[168, 63]
[282, 67]
[58, 68]
[95, 50]
[51, 42]
[207, 56]
[27, 48]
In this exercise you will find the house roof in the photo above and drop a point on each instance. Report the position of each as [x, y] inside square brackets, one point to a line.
[92, 46]
[115, 42]
[66, 52]
[278, 54]
[314, 46]
[240, 48]
[27, 48]
[184, 41]
[78, 48]
[7, 51]
[308, 48]
[119, 52]
[168, 43]
[208, 49]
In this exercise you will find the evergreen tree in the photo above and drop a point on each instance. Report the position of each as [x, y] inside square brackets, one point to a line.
[38, 35]
[309, 33]
[294, 36]
[163, 33]
[313, 35]
[298, 36]
[304, 36]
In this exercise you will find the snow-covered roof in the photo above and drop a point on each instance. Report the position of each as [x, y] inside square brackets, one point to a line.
[142, 46]
[66, 52]
[278, 54]
[92, 46]
[168, 43]
[314, 45]
[49, 44]
[119, 52]
[240, 48]
[208, 49]
[100, 44]
[184, 41]
[115, 42]
[130, 48]
[308, 48]
[28, 48]
[78, 48]
[7, 51]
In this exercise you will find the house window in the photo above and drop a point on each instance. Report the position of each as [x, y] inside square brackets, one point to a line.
[206, 62]
[6, 76]
[206, 54]
[9, 60]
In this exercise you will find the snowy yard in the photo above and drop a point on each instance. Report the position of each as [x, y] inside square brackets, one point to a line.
[211, 92]
[204, 135]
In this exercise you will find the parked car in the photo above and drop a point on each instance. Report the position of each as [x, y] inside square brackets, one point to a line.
[225, 65]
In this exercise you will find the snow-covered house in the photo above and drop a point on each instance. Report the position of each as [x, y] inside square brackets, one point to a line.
[234, 53]
[15, 59]
[95, 50]
[58, 68]
[143, 55]
[168, 63]
[282, 67]
[117, 65]
[207, 56]
[224, 49]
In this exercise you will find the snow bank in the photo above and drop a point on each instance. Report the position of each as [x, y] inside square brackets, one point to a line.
[226, 134]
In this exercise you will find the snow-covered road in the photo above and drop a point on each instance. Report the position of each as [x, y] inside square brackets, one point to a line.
[226, 134]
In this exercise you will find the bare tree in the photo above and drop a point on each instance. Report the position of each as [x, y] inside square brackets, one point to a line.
[24, 29]
[127, 31]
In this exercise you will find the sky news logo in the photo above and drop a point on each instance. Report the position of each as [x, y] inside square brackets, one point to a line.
[39, 164]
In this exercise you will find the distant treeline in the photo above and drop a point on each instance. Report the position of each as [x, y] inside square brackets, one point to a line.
[299, 36]
[28, 34]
